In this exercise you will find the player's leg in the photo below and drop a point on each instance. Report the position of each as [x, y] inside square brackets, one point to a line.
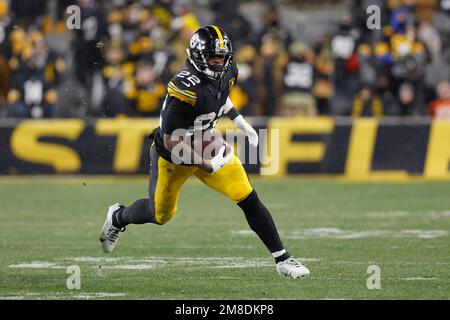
[165, 182]
[259, 218]
[233, 182]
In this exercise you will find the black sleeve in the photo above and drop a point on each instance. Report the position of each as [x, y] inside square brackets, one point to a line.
[177, 115]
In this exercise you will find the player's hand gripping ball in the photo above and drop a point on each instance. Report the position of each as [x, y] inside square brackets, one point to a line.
[214, 149]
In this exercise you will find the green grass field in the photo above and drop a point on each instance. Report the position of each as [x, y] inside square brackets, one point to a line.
[337, 228]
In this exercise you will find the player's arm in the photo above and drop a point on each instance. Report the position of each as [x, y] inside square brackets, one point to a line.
[176, 122]
[175, 125]
[240, 122]
[172, 141]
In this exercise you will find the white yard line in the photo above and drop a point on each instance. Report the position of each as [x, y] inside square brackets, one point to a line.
[94, 259]
[130, 266]
[368, 263]
[336, 233]
[36, 265]
[419, 279]
[94, 295]
[145, 263]
[436, 214]
[63, 295]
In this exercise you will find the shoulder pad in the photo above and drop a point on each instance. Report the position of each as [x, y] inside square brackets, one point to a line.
[174, 89]
[184, 86]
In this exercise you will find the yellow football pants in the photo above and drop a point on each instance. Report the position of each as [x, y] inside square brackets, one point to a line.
[166, 180]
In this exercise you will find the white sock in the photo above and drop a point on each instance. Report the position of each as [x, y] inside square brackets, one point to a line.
[277, 254]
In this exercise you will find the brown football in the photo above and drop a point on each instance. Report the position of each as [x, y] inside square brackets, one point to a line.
[209, 145]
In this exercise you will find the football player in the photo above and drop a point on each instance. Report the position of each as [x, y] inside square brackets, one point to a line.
[196, 97]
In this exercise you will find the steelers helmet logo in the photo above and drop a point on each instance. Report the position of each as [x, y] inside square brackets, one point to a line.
[196, 42]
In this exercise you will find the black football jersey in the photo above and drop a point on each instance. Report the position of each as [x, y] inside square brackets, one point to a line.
[192, 103]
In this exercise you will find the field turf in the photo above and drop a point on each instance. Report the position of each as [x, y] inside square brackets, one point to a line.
[337, 228]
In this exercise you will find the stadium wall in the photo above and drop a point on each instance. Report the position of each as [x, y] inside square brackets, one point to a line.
[353, 148]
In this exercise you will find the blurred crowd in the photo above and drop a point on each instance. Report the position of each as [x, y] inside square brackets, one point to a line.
[119, 61]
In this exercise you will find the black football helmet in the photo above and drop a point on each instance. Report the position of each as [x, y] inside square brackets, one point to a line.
[206, 42]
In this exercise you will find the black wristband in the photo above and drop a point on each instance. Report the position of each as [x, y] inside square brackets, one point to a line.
[233, 114]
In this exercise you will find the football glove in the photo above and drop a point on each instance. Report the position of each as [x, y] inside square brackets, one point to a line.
[219, 161]
[240, 123]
